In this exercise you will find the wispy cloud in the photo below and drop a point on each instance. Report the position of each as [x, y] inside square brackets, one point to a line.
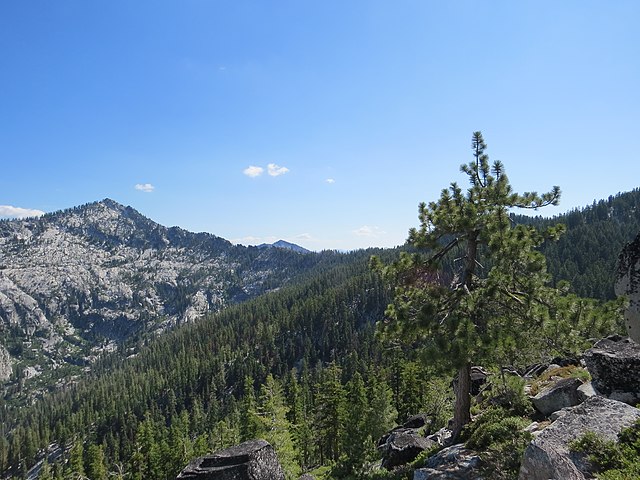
[276, 170]
[253, 171]
[144, 187]
[369, 231]
[8, 211]
[304, 236]
[330, 181]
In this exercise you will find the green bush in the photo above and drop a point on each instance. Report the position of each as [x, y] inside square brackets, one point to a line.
[508, 392]
[500, 440]
[612, 460]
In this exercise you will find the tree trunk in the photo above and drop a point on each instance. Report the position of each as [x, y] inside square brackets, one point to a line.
[462, 408]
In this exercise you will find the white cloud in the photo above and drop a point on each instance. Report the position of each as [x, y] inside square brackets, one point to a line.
[330, 180]
[145, 187]
[304, 236]
[253, 171]
[8, 211]
[369, 231]
[276, 170]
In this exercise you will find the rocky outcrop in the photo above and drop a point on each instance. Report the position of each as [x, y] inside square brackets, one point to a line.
[560, 394]
[402, 446]
[5, 364]
[452, 463]
[548, 456]
[104, 271]
[252, 460]
[628, 283]
[614, 364]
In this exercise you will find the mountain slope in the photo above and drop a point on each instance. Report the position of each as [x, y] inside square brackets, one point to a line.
[75, 282]
[286, 245]
[586, 255]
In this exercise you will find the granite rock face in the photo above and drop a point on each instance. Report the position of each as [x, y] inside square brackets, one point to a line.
[628, 283]
[548, 456]
[614, 364]
[5, 364]
[561, 394]
[102, 272]
[252, 460]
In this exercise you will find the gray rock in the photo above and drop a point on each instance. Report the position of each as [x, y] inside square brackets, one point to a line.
[628, 283]
[442, 436]
[585, 391]
[5, 364]
[103, 270]
[548, 457]
[306, 476]
[452, 463]
[252, 460]
[402, 446]
[556, 415]
[417, 421]
[561, 394]
[630, 398]
[614, 364]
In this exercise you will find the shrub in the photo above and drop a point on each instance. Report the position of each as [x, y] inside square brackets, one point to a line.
[612, 460]
[500, 440]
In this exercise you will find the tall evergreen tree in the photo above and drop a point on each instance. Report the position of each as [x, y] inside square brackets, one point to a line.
[330, 414]
[457, 307]
[357, 443]
[76, 461]
[274, 426]
[96, 469]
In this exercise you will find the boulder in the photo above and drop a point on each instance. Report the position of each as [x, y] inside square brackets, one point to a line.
[614, 364]
[628, 283]
[417, 421]
[306, 476]
[402, 446]
[452, 463]
[252, 460]
[548, 456]
[560, 394]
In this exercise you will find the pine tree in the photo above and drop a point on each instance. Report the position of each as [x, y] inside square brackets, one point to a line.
[459, 308]
[274, 426]
[330, 414]
[96, 469]
[382, 414]
[356, 439]
[248, 407]
[76, 461]
[45, 471]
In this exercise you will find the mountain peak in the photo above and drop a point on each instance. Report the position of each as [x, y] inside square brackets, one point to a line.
[285, 245]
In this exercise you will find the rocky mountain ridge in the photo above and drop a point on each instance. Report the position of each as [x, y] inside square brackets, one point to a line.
[100, 273]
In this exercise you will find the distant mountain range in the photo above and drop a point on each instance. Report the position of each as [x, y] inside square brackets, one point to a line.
[76, 282]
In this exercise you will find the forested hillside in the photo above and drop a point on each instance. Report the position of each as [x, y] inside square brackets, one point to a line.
[186, 392]
[301, 367]
[587, 253]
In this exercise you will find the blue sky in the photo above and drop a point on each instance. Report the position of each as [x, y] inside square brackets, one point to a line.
[362, 108]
